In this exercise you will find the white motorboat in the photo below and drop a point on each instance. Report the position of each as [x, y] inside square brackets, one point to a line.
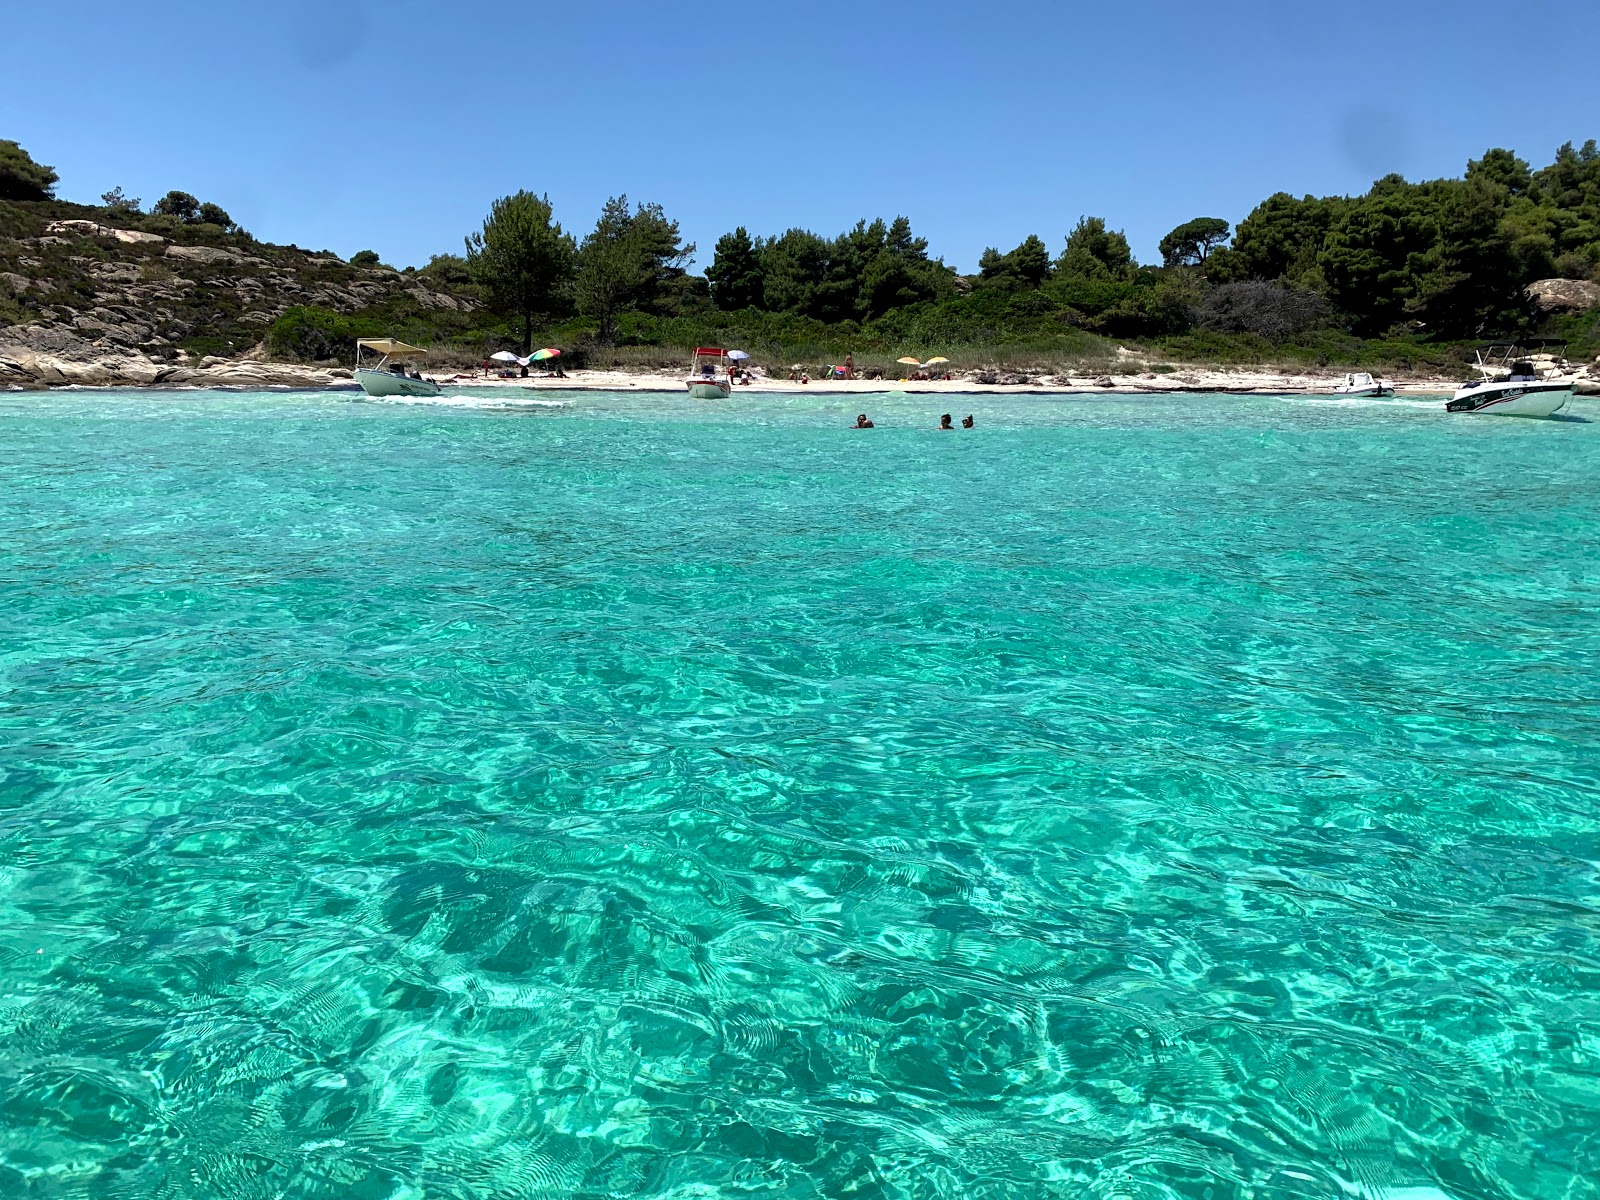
[1359, 383]
[1514, 384]
[390, 375]
[709, 374]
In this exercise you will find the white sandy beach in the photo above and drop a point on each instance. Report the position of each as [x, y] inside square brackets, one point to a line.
[1186, 380]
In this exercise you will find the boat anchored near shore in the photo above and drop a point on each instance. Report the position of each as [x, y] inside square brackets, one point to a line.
[1514, 384]
[1359, 383]
[389, 376]
[710, 374]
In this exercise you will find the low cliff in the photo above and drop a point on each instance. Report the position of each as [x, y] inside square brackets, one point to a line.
[87, 299]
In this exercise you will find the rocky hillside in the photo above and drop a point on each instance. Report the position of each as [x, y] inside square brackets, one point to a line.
[86, 297]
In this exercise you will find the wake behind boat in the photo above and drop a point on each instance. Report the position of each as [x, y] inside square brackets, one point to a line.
[1514, 384]
[389, 376]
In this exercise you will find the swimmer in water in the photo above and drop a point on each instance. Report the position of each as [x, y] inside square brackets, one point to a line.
[966, 421]
[944, 422]
[862, 422]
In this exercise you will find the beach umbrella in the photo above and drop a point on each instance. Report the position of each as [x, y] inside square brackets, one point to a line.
[504, 356]
[541, 355]
[937, 359]
[737, 355]
[910, 362]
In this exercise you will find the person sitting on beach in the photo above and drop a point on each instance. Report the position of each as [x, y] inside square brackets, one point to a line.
[862, 422]
[794, 374]
[966, 421]
[944, 422]
[805, 377]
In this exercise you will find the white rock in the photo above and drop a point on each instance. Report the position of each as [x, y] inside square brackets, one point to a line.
[203, 254]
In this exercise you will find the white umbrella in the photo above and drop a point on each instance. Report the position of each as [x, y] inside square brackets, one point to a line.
[504, 356]
[737, 355]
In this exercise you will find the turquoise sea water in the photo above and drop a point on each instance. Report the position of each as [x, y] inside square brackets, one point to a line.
[630, 797]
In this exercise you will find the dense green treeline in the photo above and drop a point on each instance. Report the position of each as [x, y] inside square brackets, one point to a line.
[1393, 276]
[1406, 267]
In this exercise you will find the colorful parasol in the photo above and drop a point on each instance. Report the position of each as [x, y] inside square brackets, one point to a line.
[541, 355]
[910, 362]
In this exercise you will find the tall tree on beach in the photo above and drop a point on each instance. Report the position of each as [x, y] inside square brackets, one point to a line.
[522, 260]
[735, 273]
[663, 257]
[1190, 243]
[611, 268]
[1024, 268]
[1280, 239]
[633, 260]
[1095, 252]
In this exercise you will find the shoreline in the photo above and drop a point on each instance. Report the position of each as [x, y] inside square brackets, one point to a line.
[74, 364]
[1188, 382]
[42, 372]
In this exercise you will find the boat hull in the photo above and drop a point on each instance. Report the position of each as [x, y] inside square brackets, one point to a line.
[708, 389]
[1369, 392]
[1512, 399]
[387, 383]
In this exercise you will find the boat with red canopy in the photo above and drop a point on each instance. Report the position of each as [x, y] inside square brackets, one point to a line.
[710, 374]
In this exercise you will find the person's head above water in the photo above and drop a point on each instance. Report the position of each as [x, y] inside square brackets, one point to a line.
[862, 422]
[966, 421]
[944, 422]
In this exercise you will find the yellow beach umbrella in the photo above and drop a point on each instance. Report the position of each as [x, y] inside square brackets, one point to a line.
[937, 359]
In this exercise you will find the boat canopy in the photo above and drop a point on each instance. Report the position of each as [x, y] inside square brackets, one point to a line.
[717, 350]
[390, 347]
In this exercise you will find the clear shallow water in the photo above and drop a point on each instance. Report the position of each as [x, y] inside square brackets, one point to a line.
[1185, 797]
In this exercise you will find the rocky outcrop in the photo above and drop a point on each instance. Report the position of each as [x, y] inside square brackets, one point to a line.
[129, 237]
[1565, 295]
[35, 356]
[209, 255]
[102, 305]
[82, 364]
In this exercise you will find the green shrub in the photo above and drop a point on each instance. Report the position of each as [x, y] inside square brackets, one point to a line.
[310, 334]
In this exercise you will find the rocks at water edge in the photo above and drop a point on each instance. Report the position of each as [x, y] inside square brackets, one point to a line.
[33, 356]
[1004, 378]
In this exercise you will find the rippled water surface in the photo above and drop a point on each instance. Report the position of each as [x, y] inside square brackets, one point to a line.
[1181, 797]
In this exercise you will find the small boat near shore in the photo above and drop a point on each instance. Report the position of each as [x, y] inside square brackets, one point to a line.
[1514, 384]
[1359, 383]
[710, 374]
[389, 376]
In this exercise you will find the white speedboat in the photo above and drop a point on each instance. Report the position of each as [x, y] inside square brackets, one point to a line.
[1513, 386]
[709, 377]
[390, 375]
[1359, 383]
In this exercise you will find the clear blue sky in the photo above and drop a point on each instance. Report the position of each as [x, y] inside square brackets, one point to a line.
[982, 122]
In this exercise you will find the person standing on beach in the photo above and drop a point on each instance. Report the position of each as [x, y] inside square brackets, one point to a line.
[849, 366]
